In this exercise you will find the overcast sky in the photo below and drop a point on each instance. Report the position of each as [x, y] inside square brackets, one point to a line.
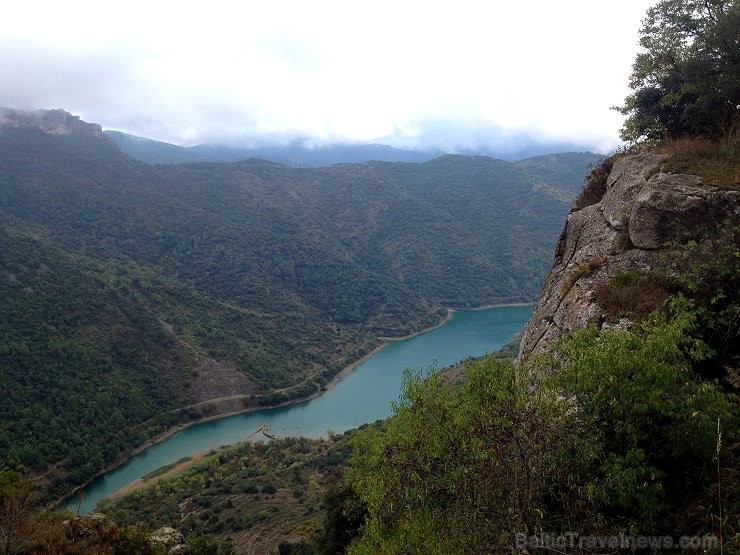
[451, 75]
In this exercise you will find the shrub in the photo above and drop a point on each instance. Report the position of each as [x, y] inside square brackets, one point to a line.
[595, 187]
[633, 294]
[650, 422]
[456, 470]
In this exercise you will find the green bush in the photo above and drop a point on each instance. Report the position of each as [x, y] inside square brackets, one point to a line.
[614, 434]
[649, 421]
[455, 470]
[595, 187]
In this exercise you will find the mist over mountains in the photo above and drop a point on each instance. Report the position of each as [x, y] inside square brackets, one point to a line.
[304, 153]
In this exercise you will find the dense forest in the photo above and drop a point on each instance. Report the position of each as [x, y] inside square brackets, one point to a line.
[120, 281]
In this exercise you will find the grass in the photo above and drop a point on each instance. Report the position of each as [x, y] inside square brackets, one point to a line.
[714, 161]
[583, 270]
[595, 187]
[159, 471]
[633, 294]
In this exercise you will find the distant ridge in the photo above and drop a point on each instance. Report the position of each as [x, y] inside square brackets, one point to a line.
[300, 154]
[297, 154]
[151, 151]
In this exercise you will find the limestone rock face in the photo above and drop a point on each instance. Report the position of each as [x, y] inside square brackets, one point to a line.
[54, 122]
[677, 208]
[642, 213]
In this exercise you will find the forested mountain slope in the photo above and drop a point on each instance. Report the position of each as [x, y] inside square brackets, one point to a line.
[130, 291]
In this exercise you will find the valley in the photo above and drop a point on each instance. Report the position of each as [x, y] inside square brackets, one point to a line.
[362, 397]
[139, 298]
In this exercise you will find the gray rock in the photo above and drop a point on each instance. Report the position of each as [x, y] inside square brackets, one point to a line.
[676, 208]
[643, 210]
[53, 122]
[167, 536]
[623, 185]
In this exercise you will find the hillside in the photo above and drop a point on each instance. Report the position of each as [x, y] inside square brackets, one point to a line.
[259, 496]
[131, 291]
[620, 420]
[592, 439]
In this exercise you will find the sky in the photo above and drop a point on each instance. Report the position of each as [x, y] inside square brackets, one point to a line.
[453, 76]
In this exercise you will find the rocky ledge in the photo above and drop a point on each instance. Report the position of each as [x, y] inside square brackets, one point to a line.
[643, 212]
[54, 122]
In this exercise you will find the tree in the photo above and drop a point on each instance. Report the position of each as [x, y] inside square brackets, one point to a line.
[460, 470]
[18, 519]
[651, 420]
[686, 81]
[613, 434]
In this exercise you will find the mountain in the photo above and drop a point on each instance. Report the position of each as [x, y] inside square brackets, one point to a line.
[637, 377]
[300, 153]
[562, 170]
[135, 297]
[297, 154]
[153, 152]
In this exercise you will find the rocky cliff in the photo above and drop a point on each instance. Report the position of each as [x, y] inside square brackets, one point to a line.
[643, 212]
[54, 122]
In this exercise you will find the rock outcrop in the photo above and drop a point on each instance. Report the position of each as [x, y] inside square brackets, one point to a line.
[642, 213]
[170, 539]
[54, 122]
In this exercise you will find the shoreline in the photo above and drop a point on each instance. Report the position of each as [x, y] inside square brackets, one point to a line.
[140, 483]
[487, 306]
[159, 438]
[450, 314]
[344, 372]
[447, 318]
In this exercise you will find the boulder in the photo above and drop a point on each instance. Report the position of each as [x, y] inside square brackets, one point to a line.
[676, 208]
[169, 537]
[643, 212]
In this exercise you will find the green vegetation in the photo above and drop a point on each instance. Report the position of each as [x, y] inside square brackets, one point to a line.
[25, 529]
[715, 161]
[118, 280]
[686, 81]
[708, 275]
[164, 469]
[256, 495]
[595, 188]
[74, 388]
[620, 436]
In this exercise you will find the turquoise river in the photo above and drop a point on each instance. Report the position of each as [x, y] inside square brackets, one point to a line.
[364, 395]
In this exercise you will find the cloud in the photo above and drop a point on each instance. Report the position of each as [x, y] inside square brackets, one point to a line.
[415, 73]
